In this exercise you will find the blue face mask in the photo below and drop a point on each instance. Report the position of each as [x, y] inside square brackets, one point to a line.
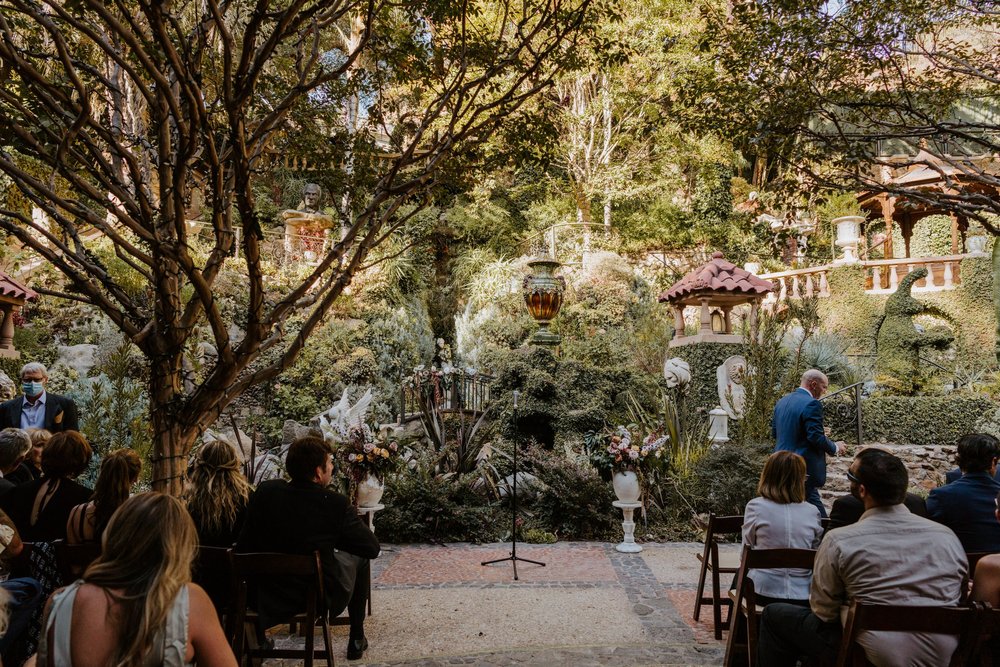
[32, 389]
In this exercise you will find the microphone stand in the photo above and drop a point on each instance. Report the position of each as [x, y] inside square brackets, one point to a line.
[513, 557]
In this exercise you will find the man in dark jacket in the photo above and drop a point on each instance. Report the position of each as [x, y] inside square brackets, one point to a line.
[967, 505]
[798, 427]
[303, 516]
[37, 408]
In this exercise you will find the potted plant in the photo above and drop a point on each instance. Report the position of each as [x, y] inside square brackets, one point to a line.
[629, 456]
[368, 460]
[845, 213]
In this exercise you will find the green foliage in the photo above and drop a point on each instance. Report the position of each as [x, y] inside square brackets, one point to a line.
[931, 238]
[422, 506]
[839, 205]
[849, 312]
[725, 479]
[919, 420]
[575, 502]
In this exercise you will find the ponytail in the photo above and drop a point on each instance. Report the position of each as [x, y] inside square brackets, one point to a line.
[119, 471]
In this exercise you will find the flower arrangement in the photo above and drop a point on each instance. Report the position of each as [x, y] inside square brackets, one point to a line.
[623, 448]
[365, 455]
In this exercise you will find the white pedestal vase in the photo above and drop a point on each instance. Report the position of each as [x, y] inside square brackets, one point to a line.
[370, 491]
[628, 545]
[626, 486]
[848, 237]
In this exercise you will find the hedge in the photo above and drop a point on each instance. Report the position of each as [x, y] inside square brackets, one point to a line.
[917, 420]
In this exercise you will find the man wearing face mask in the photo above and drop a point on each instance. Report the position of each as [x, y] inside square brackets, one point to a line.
[37, 408]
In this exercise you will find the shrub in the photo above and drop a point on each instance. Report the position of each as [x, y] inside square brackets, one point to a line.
[576, 502]
[919, 420]
[725, 479]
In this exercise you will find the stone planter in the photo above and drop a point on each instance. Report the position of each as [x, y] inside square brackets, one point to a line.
[370, 491]
[626, 486]
[848, 233]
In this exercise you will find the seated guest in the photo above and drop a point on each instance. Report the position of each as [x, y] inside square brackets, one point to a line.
[847, 509]
[119, 472]
[218, 495]
[14, 446]
[31, 468]
[781, 519]
[23, 594]
[966, 505]
[135, 604]
[986, 580]
[303, 516]
[41, 508]
[890, 556]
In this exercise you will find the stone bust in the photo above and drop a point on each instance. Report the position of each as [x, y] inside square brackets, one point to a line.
[308, 211]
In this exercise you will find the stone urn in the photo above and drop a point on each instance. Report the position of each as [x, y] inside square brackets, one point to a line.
[370, 490]
[626, 485]
[848, 236]
[543, 294]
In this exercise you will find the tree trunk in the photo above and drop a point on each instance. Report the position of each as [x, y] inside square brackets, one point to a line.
[172, 436]
[996, 292]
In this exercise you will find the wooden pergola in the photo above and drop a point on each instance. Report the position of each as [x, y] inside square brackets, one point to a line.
[13, 295]
[927, 173]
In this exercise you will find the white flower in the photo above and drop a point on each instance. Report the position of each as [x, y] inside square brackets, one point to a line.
[633, 455]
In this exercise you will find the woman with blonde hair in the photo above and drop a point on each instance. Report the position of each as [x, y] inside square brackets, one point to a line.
[135, 605]
[119, 472]
[780, 518]
[218, 494]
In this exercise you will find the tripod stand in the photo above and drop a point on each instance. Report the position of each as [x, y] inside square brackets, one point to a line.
[513, 557]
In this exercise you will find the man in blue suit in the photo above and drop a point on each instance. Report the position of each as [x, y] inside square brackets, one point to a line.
[798, 427]
[968, 504]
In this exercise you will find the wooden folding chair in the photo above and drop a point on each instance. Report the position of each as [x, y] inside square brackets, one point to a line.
[73, 559]
[213, 571]
[987, 638]
[251, 568]
[862, 617]
[711, 562]
[743, 631]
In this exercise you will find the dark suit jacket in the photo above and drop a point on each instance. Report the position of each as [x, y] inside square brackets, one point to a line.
[952, 475]
[293, 518]
[798, 427]
[60, 413]
[51, 524]
[966, 506]
[847, 509]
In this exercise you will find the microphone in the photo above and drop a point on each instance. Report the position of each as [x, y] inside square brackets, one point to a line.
[516, 394]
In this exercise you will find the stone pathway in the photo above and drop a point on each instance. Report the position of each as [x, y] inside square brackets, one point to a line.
[590, 605]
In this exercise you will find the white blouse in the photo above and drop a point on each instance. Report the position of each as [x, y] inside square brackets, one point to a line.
[771, 525]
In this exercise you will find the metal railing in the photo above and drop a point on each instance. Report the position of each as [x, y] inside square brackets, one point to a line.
[459, 392]
[847, 410]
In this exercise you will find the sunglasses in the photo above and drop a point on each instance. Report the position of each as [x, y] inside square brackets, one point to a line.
[853, 478]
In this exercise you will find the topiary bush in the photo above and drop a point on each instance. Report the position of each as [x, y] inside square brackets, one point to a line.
[918, 420]
[725, 479]
[576, 502]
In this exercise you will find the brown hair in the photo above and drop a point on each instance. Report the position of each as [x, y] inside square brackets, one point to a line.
[119, 471]
[146, 554]
[218, 488]
[66, 454]
[304, 456]
[783, 479]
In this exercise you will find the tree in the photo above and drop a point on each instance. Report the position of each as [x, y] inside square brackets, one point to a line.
[114, 116]
[836, 95]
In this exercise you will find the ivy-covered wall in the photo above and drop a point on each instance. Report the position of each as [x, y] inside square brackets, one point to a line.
[917, 420]
[855, 315]
[705, 359]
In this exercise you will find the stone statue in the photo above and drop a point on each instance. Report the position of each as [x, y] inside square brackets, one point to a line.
[676, 372]
[732, 394]
[898, 343]
[341, 416]
[307, 230]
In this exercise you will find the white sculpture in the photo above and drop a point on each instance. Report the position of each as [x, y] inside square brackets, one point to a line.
[732, 394]
[677, 372]
[341, 416]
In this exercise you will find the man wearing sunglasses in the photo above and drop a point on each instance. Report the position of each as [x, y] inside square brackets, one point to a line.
[890, 556]
[797, 427]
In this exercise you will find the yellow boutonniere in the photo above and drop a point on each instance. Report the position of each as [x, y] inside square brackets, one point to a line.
[58, 418]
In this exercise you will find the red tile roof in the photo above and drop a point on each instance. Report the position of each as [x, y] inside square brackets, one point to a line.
[13, 290]
[717, 277]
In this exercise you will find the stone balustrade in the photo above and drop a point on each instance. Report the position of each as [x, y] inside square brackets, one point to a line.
[882, 276]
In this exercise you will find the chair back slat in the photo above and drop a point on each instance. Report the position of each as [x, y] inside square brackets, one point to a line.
[723, 525]
[756, 559]
[271, 564]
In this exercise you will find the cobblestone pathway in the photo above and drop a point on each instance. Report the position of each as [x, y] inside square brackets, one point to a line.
[589, 605]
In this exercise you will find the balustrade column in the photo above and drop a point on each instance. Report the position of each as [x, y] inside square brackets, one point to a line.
[824, 285]
[948, 278]
[893, 278]
[795, 288]
[678, 321]
[930, 276]
[876, 278]
[7, 328]
[809, 286]
[783, 294]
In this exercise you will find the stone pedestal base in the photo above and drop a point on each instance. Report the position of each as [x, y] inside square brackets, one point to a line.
[628, 545]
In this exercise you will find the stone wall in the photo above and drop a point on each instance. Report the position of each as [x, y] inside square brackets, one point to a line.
[925, 464]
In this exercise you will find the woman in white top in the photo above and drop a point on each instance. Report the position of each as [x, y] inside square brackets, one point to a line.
[135, 605]
[781, 519]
